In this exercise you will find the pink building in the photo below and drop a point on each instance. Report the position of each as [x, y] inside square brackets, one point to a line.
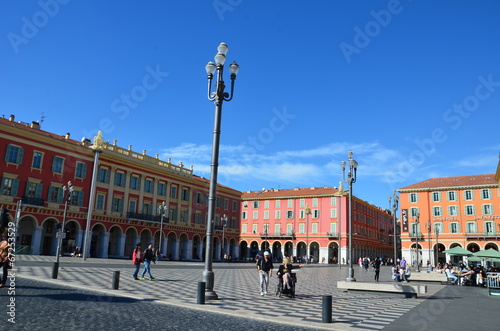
[287, 221]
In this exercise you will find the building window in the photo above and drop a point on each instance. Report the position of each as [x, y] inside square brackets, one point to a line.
[55, 194]
[81, 170]
[173, 214]
[57, 165]
[162, 189]
[9, 186]
[119, 179]
[117, 205]
[186, 194]
[266, 228]
[289, 214]
[37, 160]
[302, 214]
[488, 209]
[436, 211]
[452, 196]
[470, 210]
[489, 228]
[414, 211]
[452, 211]
[226, 204]
[333, 201]
[302, 203]
[135, 183]
[14, 154]
[471, 227]
[149, 186]
[468, 195]
[77, 198]
[218, 202]
[184, 215]
[132, 205]
[438, 227]
[173, 192]
[413, 197]
[266, 204]
[255, 215]
[33, 190]
[315, 202]
[333, 213]
[277, 228]
[333, 228]
[315, 213]
[314, 228]
[486, 194]
[244, 215]
[255, 204]
[436, 196]
[301, 228]
[103, 175]
[277, 214]
[290, 203]
[277, 203]
[100, 202]
[254, 228]
[266, 214]
[454, 227]
[199, 198]
[244, 228]
[235, 205]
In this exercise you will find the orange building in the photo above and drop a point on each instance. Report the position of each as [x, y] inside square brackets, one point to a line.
[440, 213]
[287, 221]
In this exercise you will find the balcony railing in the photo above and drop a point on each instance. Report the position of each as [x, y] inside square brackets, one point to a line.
[146, 217]
[415, 234]
[33, 201]
[277, 235]
[487, 234]
[332, 235]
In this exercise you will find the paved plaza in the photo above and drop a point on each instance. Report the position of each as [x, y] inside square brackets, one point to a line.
[237, 287]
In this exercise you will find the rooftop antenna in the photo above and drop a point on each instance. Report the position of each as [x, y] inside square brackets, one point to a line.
[42, 117]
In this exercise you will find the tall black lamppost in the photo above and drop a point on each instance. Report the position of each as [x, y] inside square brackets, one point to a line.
[417, 234]
[67, 194]
[395, 202]
[162, 209]
[308, 212]
[429, 225]
[217, 96]
[351, 178]
[436, 229]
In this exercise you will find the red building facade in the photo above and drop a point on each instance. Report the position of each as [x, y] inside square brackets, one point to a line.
[129, 188]
[287, 221]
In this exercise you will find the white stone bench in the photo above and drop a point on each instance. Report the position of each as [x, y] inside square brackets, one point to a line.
[409, 291]
[428, 277]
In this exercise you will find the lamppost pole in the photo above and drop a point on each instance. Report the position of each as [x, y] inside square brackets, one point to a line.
[351, 178]
[395, 202]
[67, 194]
[429, 241]
[162, 208]
[224, 223]
[308, 212]
[436, 229]
[217, 96]
[416, 241]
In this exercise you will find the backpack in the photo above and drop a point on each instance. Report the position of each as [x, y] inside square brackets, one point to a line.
[148, 254]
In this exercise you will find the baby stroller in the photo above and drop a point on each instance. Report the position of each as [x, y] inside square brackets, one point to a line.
[288, 290]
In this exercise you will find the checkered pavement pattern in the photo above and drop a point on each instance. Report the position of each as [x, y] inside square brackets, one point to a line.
[237, 286]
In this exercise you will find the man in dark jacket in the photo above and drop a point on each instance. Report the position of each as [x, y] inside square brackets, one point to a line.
[149, 257]
[265, 269]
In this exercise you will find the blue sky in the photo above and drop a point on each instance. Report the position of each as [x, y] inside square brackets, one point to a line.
[411, 87]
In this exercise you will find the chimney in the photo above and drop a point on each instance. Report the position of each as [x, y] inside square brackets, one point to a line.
[35, 125]
[67, 136]
[12, 118]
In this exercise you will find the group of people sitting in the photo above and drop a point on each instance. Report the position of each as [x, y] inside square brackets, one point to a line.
[468, 275]
[401, 273]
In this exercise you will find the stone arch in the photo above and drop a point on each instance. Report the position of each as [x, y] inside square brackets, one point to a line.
[473, 247]
[48, 244]
[333, 252]
[276, 252]
[197, 245]
[115, 246]
[183, 247]
[98, 246]
[314, 251]
[254, 249]
[491, 245]
[131, 239]
[243, 250]
[301, 251]
[172, 252]
[26, 234]
[146, 237]
[288, 250]
[72, 229]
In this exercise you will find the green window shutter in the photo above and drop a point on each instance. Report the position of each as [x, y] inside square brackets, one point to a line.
[15, 186]
[7, 153]
[38, 191]
[84, 170]
[49, 195]
[60, 195]
[20, 153]
[1, 186]
[80, 198]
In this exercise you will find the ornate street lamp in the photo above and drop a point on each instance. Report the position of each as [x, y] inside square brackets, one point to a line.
[308, 213]
[224, 224]
[351, 178]
[162, 209]
[395, 202]
[217, 96]
[429, 225]
[416, 240]
[436, 230]
[67, 194]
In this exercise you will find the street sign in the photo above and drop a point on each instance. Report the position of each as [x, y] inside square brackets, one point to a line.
[61, 235]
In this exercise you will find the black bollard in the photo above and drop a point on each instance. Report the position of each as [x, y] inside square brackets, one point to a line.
[327, 309]
[201, 293]
[55, 270]
[116, 280]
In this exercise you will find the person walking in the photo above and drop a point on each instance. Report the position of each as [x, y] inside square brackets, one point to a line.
[149, 257]
[137, 259]
[265, 269]
[376, 267]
